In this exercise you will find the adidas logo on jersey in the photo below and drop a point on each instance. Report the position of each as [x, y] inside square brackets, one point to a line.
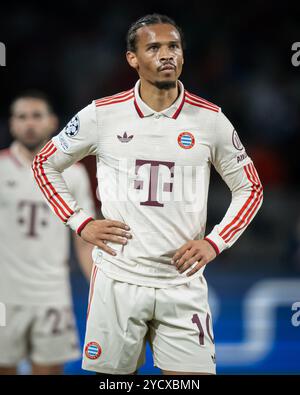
[125, 138]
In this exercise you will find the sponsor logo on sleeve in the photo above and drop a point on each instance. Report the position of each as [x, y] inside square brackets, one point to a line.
[64, 144]
[72, 127]
[241, 157]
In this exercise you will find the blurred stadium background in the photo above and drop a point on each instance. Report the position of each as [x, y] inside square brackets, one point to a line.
[238, 57]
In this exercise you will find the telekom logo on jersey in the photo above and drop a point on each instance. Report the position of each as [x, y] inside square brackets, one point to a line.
[31, 215]
[153, 183]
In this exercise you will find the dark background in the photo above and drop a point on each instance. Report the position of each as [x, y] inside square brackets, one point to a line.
[238, 56]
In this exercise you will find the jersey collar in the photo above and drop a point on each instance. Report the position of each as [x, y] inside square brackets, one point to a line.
[144, 110]
[17, 156]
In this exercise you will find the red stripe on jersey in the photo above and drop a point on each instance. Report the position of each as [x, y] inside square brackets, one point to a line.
[251, 212]
[55, 193]
[44, 157]
[55, 205]
[95, 271]
[177, 112]
[115, 101]
[198, 104]
[174, 116]
[44, 193]
[139, 111]
[248, 209]
[46, 147]
[55, 199]
[197, 98]
[123, 93]
[243, 207]
[117, 96]
[201, 101]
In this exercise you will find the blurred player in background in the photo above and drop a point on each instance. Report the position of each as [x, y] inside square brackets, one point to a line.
[34, 249]
[155, 145]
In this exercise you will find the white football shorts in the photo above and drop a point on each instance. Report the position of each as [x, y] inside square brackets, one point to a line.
[121, 317]
[44, 335]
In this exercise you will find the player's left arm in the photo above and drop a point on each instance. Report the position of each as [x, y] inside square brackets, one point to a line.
[84, 255]
[238, 171]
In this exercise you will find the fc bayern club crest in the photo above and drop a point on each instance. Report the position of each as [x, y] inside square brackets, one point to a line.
[186, 140]
[93, 350]
[72, 127]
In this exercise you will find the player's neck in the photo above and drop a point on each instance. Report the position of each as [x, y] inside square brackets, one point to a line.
[26, 154]
[157, 99]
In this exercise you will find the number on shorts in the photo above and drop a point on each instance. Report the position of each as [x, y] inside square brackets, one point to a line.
[196, 320]
[62, 320]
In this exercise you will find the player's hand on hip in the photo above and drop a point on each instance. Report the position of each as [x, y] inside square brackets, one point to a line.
[193, 251]
[100, 231]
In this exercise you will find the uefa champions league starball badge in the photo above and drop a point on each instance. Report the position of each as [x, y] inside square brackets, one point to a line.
[72, 127]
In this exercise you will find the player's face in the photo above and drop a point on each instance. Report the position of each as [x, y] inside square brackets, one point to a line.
[31, 122]
[159, 55]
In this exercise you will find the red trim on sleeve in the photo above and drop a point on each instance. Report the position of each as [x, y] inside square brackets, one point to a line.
[247, 212]
[56, 201]
[214, 245]
[80, 228]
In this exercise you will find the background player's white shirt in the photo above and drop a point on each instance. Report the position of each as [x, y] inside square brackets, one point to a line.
[153, 174]
[34, 246]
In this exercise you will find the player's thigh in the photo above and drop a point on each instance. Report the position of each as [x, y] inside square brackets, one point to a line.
[116, 325]
[14, 336]
[181, 331]
[54, 338]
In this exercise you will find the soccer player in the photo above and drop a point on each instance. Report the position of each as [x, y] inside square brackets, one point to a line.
[154, 145]
[34, 248]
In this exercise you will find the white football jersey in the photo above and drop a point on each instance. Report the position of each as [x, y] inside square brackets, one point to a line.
[34, 246]
[153, 172]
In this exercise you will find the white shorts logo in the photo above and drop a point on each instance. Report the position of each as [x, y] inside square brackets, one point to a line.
[72, 127]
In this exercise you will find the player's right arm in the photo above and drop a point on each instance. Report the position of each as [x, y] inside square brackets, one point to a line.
[77, 140]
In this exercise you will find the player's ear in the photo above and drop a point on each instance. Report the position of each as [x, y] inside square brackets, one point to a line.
[132, 59]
